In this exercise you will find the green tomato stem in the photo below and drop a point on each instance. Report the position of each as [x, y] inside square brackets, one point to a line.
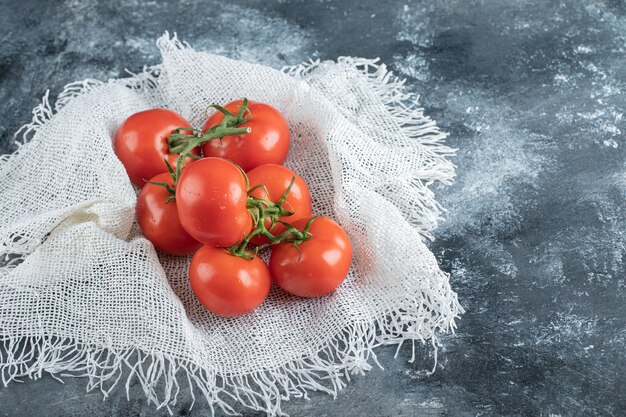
[184, 143]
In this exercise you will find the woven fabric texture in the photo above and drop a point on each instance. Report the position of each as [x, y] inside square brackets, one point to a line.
[83, 293]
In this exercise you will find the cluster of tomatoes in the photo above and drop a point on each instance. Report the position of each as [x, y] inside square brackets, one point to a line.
[223, 195]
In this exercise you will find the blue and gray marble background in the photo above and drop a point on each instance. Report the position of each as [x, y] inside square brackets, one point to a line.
[532, 94]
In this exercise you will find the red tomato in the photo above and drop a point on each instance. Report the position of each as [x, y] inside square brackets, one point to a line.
[228, 285]
[276, 179]
[159, 221]
[211, 197]
[268, 143]
[318, 265]
[141, 143]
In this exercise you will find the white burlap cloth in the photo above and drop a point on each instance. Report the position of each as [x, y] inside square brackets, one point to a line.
[83, 293]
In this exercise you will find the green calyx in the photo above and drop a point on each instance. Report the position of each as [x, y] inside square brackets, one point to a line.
[261, 210]
[185, 139]
[171, 190]
[183, 143]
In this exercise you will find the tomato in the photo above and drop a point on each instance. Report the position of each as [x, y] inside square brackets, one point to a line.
[318, 265]
[211, 197]
[276, 179]
[159, 220]
[268, 143]
[141, 143]
[228, 285]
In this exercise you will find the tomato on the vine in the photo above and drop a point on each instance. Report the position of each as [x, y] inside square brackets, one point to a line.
[212, 202]
[141, 145]
[317, 266]
[268, 143]
[228, 285]
[159, 220]
[276, 179]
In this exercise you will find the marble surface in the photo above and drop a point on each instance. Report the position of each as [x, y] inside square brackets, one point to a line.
[532, 94]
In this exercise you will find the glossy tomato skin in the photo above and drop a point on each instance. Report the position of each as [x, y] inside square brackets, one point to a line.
[228, 285]
[318, 266]
[159, 221]
[211, 197]
[276, 179]
[141, 143]
[268, 143]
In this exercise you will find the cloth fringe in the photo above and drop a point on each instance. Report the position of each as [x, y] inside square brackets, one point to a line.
[328, 370]
[349, 353]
